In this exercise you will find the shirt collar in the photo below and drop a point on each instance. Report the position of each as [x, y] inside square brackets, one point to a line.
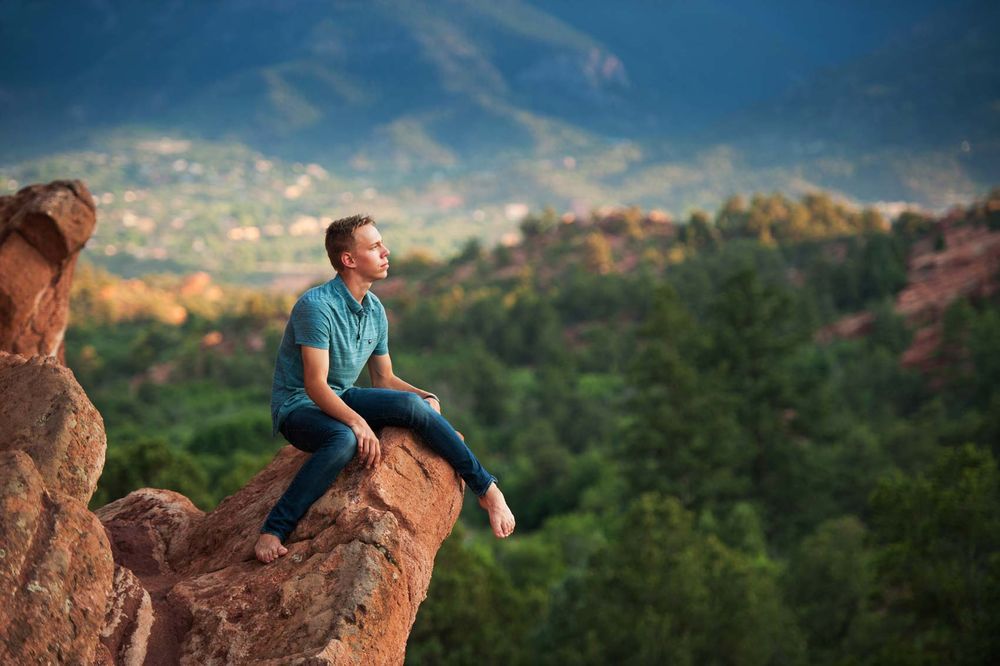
[355, 307]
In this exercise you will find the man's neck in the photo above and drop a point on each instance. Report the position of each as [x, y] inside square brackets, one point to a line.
[356, 286]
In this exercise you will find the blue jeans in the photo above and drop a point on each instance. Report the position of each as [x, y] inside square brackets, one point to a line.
[333, 444]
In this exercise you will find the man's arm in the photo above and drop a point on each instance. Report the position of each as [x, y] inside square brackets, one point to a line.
[315, 367]
[380, 371]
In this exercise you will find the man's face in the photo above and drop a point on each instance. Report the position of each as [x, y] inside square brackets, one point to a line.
[370, 254]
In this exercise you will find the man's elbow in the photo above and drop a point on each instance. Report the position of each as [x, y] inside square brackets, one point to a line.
[314, 388]
[382, 381]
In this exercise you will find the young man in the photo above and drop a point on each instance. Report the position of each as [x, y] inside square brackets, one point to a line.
[334, 330]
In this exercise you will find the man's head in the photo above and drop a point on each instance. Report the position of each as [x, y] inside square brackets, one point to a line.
[340, 237]
[354, 243]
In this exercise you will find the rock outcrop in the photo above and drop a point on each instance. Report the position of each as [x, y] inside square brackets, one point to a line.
[55, 560]
[42, 230]
[965, 264]
[127, 623]
[358, 566]
[151, 579]
[46, 414]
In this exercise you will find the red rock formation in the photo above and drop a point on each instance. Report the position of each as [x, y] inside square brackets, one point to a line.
[46, 414]
[56, 573]
[175, 585]
[849, 327]
[42, 230]
[966, 266]
[358, 565]
[127, 623]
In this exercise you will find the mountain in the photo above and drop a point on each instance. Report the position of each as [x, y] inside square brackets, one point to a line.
[462, 114]
[918, 118]
[305, 78]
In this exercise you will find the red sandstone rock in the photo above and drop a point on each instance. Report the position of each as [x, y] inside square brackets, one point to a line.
[923, 347]
[358, 565]
[966, 266]
[849, 327]
[46, 414]
[56, 570]
[128, 620]
[186, 587]
[42, 230]
[148, 528]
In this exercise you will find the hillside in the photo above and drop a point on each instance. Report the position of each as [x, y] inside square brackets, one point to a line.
[678, 438]
[463, 115]
[915, 119]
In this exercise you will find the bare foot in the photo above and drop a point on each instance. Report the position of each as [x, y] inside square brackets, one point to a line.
[501, 518]
[269, 548]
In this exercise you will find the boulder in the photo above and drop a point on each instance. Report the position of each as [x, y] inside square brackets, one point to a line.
[46, 414]
[55, 570]
[148, 528]
[151, 579]
[358, 566]
[42, 230]
[964, 264]
[128, 621]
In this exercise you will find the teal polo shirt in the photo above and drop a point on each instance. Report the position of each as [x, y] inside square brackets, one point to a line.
[327, 317]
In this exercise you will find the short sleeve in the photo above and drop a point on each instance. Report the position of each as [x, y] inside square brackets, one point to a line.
[311, 324]
[382, 346]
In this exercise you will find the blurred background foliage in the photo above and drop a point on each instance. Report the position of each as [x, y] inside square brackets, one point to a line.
[700, 477]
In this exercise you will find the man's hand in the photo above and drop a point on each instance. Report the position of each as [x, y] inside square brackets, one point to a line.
[433, 402]
[369, 449]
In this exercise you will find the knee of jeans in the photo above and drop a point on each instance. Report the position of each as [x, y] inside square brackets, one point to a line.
[414, 403]
[344, 443]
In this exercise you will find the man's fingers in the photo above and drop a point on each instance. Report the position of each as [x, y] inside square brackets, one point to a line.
[373, 450]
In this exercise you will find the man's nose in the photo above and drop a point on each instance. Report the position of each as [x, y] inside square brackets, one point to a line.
[385, 251]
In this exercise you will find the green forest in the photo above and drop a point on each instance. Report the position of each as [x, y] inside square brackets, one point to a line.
[700, 475]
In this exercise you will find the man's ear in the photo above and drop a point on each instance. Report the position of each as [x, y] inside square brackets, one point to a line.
[347, 259]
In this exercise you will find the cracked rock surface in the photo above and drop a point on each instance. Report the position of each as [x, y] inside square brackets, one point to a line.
[358, 566]
[55, 570]
[42, 230]
[46, 413]
[151, 579]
